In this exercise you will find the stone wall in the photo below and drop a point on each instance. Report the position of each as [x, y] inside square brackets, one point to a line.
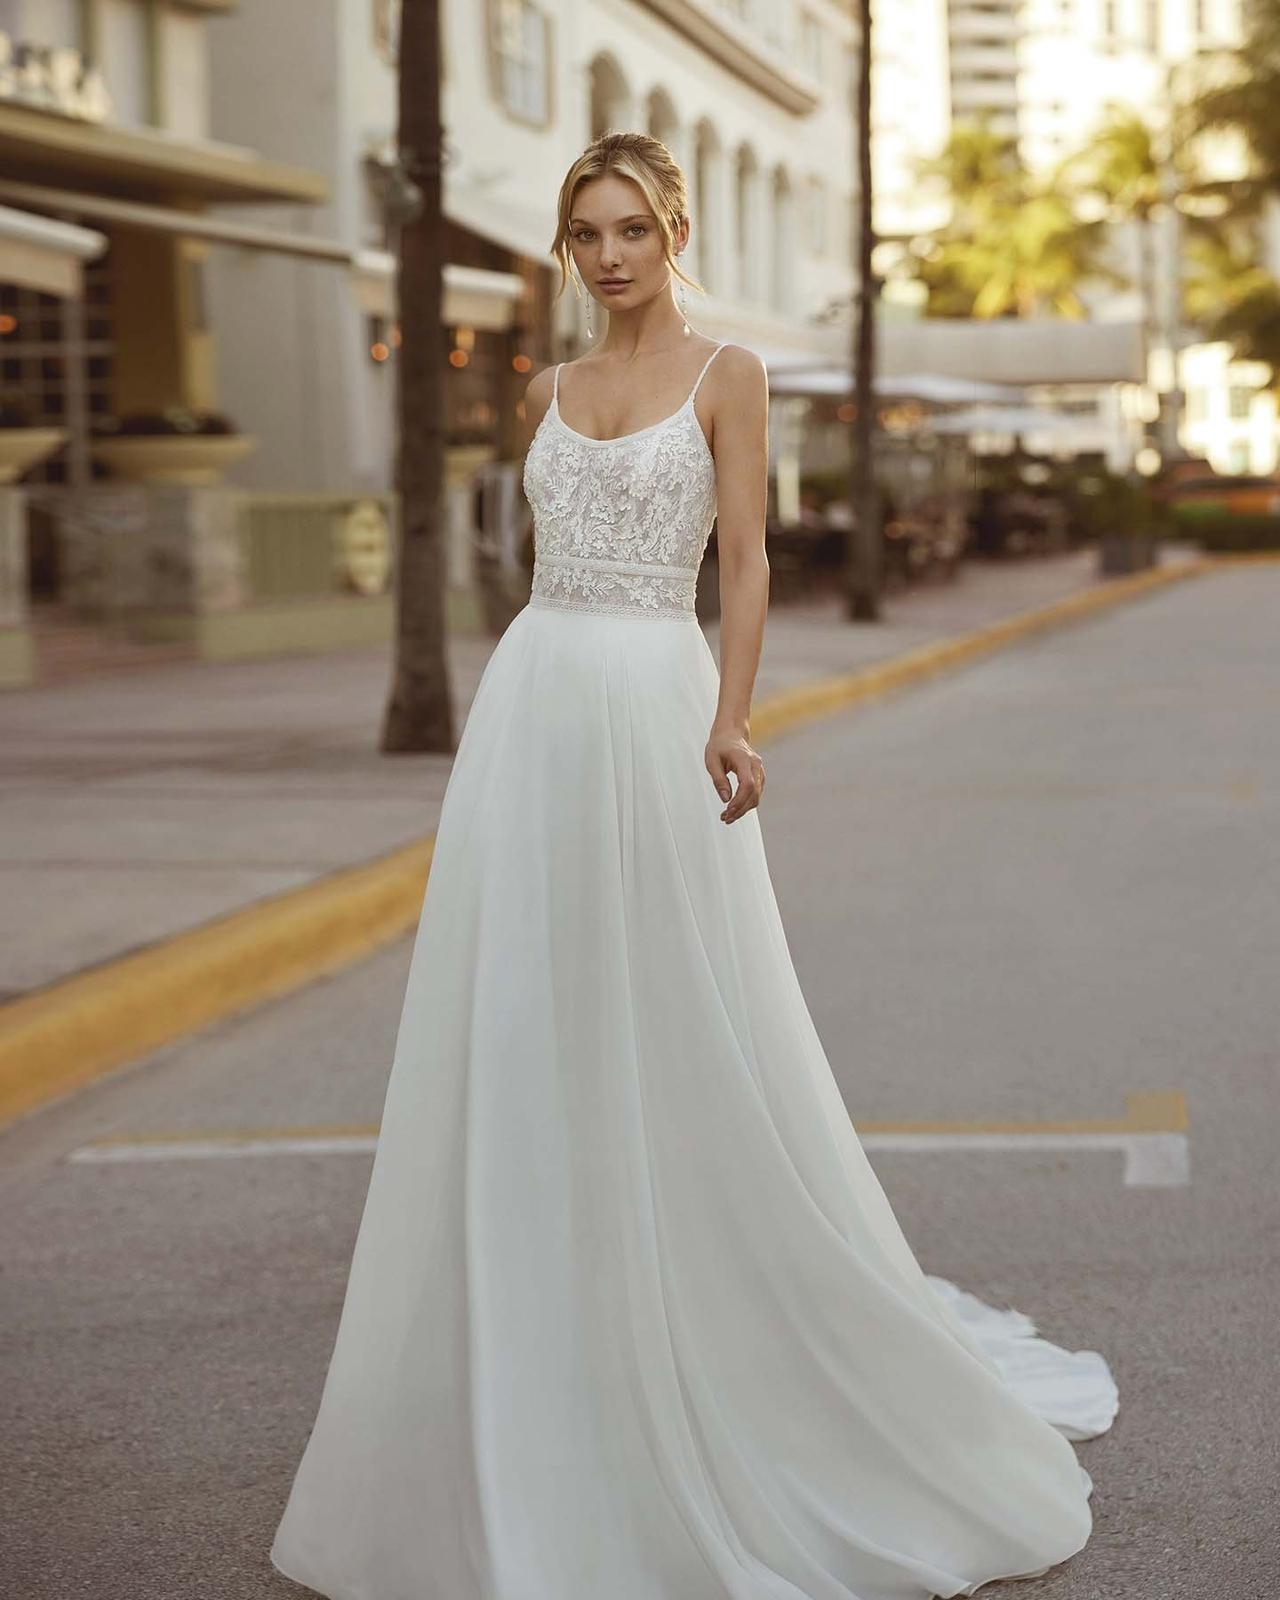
[128, 551]
[15, 639]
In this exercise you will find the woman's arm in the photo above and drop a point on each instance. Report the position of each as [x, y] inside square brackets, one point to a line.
[537, 402]
[740, 445]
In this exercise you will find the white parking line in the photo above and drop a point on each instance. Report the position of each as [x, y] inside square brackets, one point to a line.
[1151, 1160]
[1152, 1136]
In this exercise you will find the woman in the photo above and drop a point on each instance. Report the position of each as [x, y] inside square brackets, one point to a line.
[629, 1316]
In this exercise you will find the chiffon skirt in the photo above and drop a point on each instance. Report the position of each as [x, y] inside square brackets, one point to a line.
[629, 1316]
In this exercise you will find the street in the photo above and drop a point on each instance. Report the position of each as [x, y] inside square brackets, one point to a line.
[1015, 894]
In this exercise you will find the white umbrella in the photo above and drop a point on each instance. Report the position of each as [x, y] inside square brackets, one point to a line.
[936, 388]
[1004, 419]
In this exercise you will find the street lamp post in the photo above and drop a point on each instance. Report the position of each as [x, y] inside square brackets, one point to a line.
[863, 563]
[1171, 399]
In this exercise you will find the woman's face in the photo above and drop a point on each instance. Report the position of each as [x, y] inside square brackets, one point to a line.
[616, 243]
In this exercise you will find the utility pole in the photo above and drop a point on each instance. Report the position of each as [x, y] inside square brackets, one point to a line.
[419, 713]
[864, 556]
[1171, 333]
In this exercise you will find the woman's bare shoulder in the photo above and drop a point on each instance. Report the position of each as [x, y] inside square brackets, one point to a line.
[739, 375]
[537, 399]
[539, 388]
[739, 368]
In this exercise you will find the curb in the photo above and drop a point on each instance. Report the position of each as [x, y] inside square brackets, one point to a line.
[793, 708]
[83, 1028]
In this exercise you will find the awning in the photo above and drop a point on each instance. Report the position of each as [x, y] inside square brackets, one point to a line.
[43, 147]
[522, 229]
[1014, 350]
[1008, 420]
[473, 296]
[168, 219]
[42, 254]
[934, 388]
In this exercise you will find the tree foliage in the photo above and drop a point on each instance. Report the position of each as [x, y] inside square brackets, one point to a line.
[1014, 244]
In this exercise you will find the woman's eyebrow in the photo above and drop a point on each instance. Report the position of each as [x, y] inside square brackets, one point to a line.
[636, 216]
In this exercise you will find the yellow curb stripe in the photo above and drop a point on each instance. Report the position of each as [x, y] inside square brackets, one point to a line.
[1156, 1111]
[1149, 1111]
[75, 1031]
[78, 1030]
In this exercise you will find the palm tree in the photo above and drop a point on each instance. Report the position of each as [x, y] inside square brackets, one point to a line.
[419, 713]
[1229, 296]
[1121, 166]
[979, 168]
[1242, 96]
[863, 570]
[1013, 247]
[1023, 260]
[1229, 292]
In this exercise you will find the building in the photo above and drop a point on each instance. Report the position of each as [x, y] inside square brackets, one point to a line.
[751, 99]
[108, 173]
[211, 190]
[1048, 74]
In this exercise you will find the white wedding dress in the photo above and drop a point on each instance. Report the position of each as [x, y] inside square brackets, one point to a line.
[629, 1316]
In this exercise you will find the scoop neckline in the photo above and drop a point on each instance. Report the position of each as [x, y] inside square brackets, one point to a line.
[621, 438]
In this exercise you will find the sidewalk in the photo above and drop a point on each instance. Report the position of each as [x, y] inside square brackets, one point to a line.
[145, 802]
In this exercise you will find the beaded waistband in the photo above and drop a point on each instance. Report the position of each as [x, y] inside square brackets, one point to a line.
[615, 588]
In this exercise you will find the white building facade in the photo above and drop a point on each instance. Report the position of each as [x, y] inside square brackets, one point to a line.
[752, 96]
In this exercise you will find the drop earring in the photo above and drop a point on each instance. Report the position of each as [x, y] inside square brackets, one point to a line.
[682, 298]
[591, 327]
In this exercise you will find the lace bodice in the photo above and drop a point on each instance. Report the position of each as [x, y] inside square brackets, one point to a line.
[620, 525]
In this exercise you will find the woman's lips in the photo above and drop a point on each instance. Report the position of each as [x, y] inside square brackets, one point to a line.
[615, 285]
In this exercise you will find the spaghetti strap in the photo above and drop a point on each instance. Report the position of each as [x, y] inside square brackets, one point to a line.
[694, 392]
[555, 386]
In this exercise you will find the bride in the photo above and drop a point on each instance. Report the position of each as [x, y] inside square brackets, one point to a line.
[629, 1316]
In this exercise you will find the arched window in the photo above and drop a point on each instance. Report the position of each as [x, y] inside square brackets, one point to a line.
[611, 102]
[746, 222]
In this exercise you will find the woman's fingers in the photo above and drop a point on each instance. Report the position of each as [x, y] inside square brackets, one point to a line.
[715, 763]
[749, 771]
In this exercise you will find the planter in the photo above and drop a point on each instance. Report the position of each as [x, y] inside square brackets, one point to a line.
[1121, 553]
[186, 458]
[21, 448]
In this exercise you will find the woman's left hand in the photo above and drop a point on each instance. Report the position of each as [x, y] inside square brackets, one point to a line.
[728, 750]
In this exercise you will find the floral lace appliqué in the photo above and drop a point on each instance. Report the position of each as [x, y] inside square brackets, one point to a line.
[617, 587]
[620, 525]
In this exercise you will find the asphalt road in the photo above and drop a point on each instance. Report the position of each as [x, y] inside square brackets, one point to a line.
[1018, 892]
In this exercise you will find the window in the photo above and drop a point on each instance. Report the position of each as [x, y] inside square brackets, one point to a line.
[1239, 402]
[53, 23]
[811, 42]
[386, 29]
[521, 51]
[126, 42]
[816, 197]
[38, 361]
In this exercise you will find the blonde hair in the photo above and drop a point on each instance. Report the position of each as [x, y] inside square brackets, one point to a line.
[649, 164]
